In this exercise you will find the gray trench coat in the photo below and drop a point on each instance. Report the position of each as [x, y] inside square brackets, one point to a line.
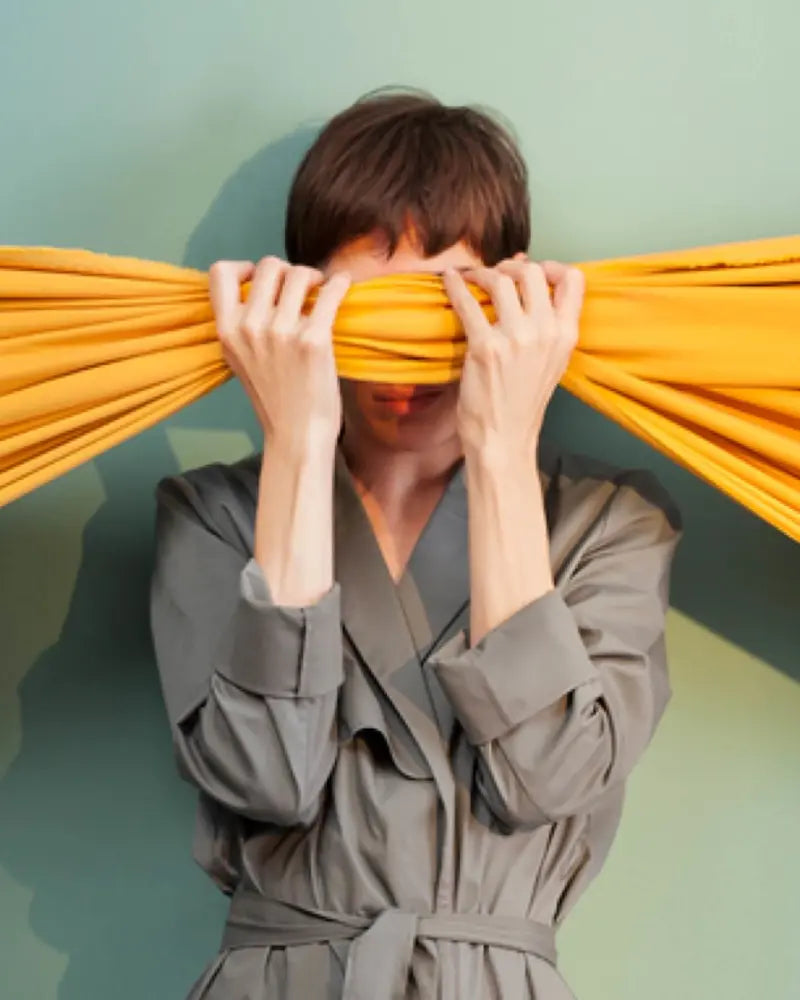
[396, 814]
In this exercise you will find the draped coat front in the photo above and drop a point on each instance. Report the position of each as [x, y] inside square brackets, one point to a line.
[394, 812]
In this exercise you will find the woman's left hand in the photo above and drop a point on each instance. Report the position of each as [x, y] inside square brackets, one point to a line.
[512, 368]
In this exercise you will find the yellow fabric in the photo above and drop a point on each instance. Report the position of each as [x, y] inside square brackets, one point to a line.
[696, 352]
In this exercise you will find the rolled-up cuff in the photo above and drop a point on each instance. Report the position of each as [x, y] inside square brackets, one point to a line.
[520, 667]
[283, 652]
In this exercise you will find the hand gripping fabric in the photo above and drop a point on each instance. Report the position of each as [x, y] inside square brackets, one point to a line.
[697, 352]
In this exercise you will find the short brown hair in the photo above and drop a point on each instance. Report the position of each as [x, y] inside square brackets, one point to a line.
[402, 162]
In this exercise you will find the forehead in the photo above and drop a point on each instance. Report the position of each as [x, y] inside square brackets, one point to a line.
[366, 257]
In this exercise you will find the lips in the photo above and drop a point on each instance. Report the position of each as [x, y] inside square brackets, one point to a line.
[407, 405]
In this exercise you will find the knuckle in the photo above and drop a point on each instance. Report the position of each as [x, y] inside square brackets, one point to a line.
[309, 347]
[475, 275]
[494, 347]
[535, 271]
[249, 327]
[523, 333]
[316, 335]
[304, 272]
[218, 268]
[479, 348]
[267, 267]
[280, 329]
[504, 281]
[550, 331]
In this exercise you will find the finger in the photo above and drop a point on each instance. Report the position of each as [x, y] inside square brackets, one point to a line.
[224, 285]
[503, 291]
[296, 284]
[323, 315]
[554, 270]
[466, 306]
[267, 281]
[568, 289]
[532, 284]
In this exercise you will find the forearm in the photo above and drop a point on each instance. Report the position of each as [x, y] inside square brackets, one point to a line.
[508, 542]
[251, 685]
[294, 522]
[560, 699]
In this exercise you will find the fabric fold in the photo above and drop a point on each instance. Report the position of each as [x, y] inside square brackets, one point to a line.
[697, 352]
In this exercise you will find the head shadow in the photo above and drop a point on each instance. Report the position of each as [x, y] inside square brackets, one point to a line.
[96, 823]
[245, 221]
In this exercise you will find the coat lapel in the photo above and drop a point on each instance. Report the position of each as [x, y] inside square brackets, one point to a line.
[434, 590]
[395, 627]
[373, 619]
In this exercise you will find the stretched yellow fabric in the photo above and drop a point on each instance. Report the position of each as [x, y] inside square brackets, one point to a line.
[696, 352]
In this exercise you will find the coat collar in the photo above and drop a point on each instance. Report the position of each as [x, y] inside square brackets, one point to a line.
[433, 591]
[394, 627]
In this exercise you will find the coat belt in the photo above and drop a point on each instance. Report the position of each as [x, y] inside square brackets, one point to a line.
[379, 959]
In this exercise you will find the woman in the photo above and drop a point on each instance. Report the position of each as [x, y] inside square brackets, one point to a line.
[408, 664]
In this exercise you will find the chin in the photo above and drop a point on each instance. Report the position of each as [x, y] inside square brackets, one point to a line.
[412, 435]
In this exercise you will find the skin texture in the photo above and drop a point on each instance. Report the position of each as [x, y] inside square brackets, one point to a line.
[401, 457]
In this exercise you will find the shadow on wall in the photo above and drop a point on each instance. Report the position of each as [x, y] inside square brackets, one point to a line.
[245, 220]
[95, 821]
[733, 572]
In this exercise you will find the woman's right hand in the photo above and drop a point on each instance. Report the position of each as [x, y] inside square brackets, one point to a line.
[285, 360]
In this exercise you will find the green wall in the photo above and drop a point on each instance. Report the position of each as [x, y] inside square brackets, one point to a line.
[169, 130]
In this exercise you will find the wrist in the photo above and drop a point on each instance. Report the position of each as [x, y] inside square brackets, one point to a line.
[501, 459]
[301, 447]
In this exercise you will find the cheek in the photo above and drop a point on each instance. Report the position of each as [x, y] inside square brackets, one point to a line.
[451, 395]
[348, 389]
[355, 396]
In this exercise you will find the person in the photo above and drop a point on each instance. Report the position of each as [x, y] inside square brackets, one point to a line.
[409, 653]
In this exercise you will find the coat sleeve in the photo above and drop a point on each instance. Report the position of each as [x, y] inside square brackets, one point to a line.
[250, 686]
[561, 698]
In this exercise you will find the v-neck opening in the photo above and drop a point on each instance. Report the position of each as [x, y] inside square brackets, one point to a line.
[453, 482]
[434, 516]
[394, 626]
